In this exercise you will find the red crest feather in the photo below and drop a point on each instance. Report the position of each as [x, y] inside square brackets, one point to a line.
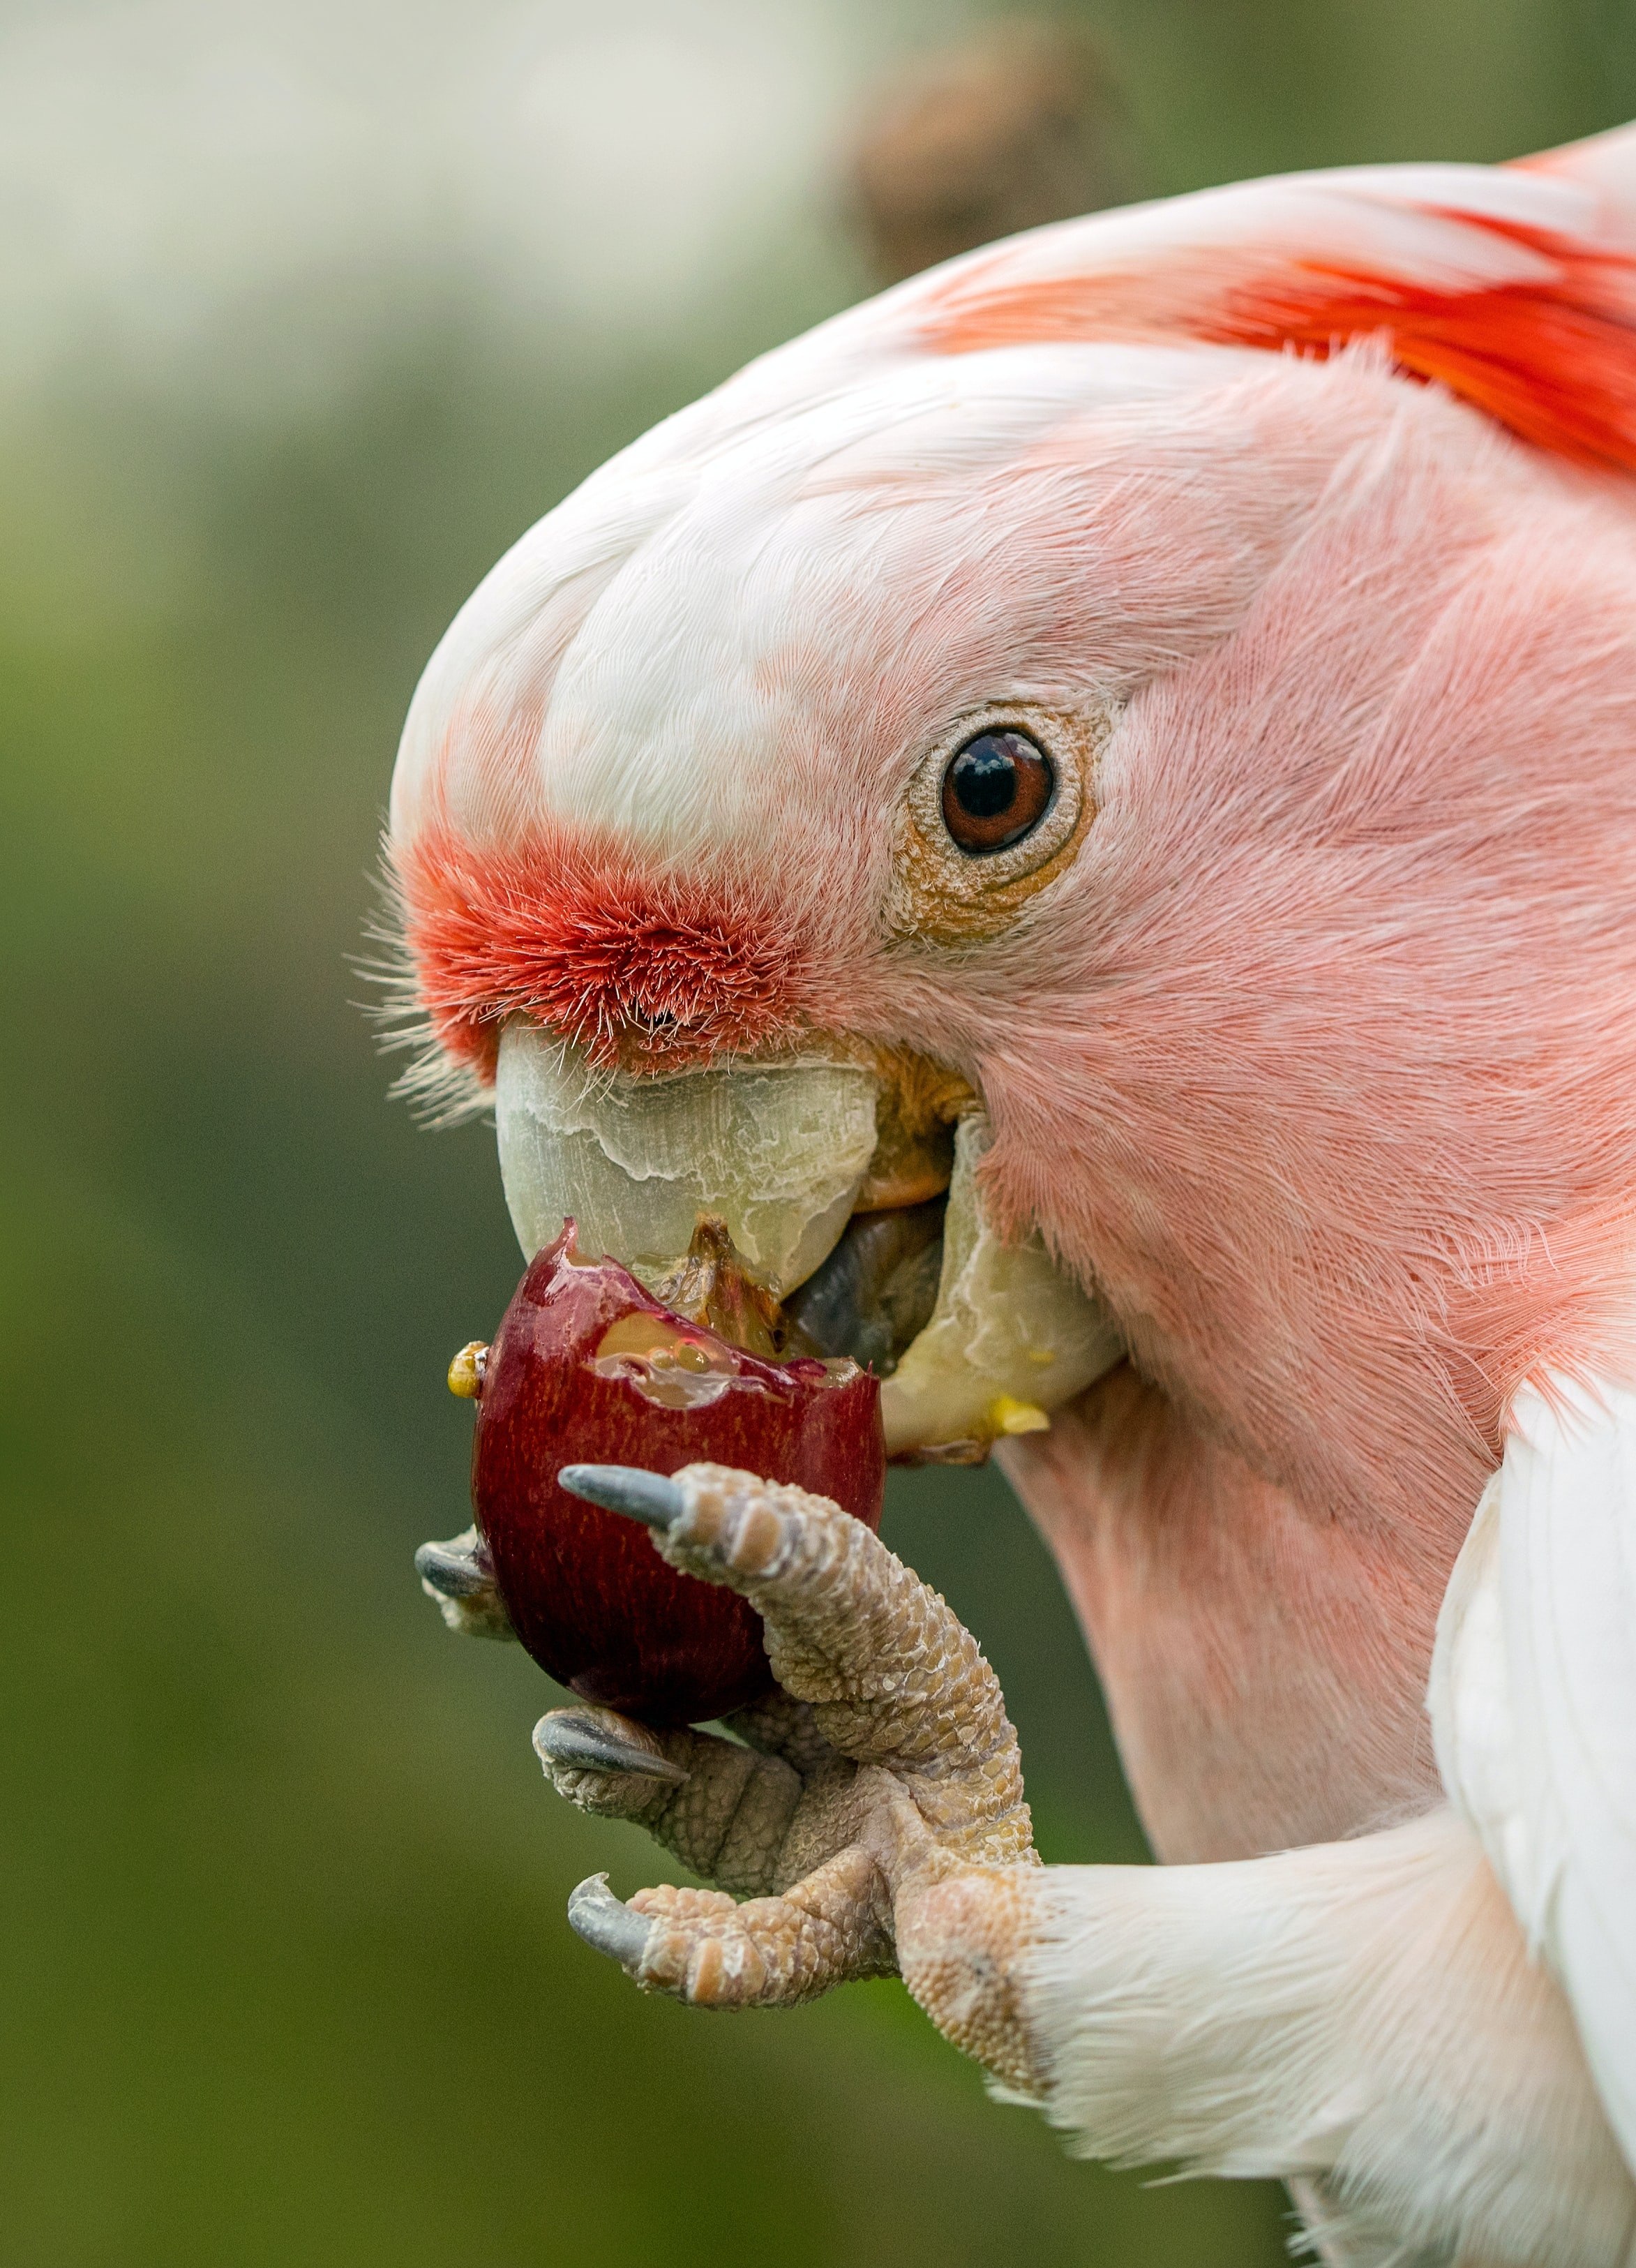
[1553, 358]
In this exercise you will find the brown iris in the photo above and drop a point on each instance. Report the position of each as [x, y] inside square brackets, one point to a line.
[996, 790]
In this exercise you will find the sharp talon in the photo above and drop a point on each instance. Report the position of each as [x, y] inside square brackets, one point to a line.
[644, 1496]
[583, 1745]
[453, 1569]
[603, 1920]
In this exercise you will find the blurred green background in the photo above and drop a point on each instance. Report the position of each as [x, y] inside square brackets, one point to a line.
[310, 311]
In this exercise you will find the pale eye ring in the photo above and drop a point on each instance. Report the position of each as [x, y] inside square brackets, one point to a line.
[994, 810]
[997, 789]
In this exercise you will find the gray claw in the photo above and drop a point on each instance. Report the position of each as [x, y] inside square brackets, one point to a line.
[458, 1576]
[647, 1497]
[581, 1743]
[455, 1570]
[604, 1921]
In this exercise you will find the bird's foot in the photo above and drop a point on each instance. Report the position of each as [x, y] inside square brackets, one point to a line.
[870, 1815]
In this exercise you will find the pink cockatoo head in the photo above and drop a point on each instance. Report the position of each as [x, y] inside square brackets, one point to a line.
[1292, 524]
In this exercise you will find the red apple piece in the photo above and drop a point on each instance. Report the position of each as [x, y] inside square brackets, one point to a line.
[588, 1368]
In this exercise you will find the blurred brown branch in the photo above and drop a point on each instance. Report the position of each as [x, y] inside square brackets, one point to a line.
[1022, 124]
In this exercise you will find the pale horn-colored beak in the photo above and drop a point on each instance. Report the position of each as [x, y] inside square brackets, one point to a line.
[1012, 1337]
[777, 1155]
[778, 1151]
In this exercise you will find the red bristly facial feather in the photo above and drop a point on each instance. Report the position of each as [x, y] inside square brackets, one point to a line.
[578, 937]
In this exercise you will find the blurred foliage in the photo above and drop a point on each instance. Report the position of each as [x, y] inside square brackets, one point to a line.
[282, 1889]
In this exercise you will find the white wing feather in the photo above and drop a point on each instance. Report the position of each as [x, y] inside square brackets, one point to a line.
[1533, 1703]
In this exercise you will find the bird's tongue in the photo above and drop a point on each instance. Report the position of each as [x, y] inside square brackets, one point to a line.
[590, 1367]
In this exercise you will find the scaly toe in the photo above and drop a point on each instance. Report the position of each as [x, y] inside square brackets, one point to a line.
[725, 1972]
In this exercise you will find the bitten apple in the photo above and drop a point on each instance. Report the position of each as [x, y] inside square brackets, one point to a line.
[588, 1367]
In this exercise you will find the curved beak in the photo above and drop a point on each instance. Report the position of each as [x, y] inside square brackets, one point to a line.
[796, 1204]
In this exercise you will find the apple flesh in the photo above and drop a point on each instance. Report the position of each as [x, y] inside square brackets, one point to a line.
[588, 1368]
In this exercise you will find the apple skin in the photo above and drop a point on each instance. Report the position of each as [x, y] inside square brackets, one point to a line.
[587, 1594]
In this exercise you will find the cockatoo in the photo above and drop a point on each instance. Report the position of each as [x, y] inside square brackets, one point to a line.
[1137, 727]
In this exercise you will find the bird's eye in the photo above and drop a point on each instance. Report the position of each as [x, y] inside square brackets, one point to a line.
[996, 790]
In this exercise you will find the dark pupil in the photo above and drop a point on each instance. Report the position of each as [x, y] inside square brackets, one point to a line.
[983, 777]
